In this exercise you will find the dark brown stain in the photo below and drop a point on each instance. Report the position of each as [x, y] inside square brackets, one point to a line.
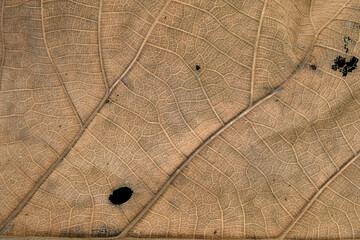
[104, 231]
[344, 66]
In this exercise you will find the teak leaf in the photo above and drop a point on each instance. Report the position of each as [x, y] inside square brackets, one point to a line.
[180, 119]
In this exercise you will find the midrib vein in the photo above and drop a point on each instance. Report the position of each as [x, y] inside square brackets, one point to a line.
[23, 202]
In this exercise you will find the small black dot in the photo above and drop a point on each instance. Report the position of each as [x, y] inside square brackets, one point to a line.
[120, 195]
[197, 67]
[59, 126]
[313, 67]
[107, 101]
[215, 232]
[165, 17]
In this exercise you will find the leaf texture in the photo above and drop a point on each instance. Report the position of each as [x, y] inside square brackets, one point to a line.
[227, 119]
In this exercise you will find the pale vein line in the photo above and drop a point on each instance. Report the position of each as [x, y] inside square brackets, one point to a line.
[99, 49]
[3, 42]
[337, 50]
[22, 204]
[55, 68]
[310, 16]
[255, 54]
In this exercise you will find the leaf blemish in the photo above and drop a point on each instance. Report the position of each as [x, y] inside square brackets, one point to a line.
[107, 101]
[120, 195]
[344, 66]
[313, 67]
[197, 67]
[346, 40]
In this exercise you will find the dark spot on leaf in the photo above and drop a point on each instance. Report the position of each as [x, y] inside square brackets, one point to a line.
[197, 67]
[313, 67]
[76, 231]
[128, 84]
[285, 199]
[107, 101]
[117, 95]
[276, 100]
[344, 66]
[165, 17]
[215, 232]
[59, 126]
[120, 195]
[104, 231]
[346, 40]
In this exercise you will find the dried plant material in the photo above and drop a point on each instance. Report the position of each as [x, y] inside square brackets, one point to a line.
[165, 119]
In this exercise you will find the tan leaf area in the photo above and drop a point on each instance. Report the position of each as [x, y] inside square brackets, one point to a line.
[225, 118]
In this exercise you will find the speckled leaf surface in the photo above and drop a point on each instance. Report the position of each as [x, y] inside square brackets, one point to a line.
[227, 119]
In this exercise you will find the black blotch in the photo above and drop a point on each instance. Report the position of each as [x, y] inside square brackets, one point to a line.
[346, 40]
[215, 232]
[197, 67]
[285, 199]
[313, 67]
[276, 100]
[59, 126]
[120, 195]
[117, 95]
[107, 101]
[345, 66]
[165, 17]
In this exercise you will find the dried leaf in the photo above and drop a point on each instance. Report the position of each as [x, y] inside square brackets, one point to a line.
[153, 119]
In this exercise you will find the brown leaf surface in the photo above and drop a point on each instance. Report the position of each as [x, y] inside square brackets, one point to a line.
[171, 98]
